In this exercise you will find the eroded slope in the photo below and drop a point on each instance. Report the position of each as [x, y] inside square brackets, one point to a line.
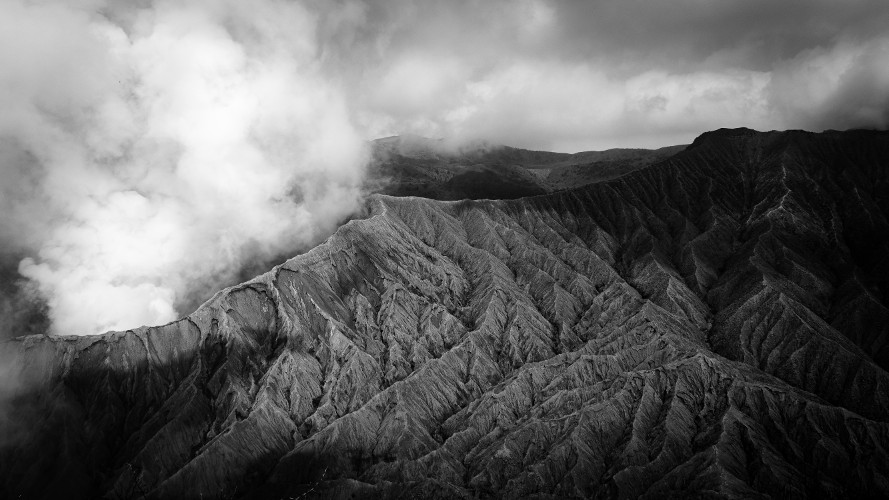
[714, 325]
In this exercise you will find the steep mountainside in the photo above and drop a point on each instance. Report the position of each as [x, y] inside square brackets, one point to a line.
[715, 325]
[416, 166]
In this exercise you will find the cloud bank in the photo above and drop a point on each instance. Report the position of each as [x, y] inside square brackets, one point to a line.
[150, 154]
[152, 151]
[577, 75]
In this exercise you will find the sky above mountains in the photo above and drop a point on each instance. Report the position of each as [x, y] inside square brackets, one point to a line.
[152, 149]
[583, 75]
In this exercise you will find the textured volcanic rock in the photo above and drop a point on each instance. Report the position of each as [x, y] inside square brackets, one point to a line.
[714, 326]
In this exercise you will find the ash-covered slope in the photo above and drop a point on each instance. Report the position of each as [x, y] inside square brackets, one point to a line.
[714, 325]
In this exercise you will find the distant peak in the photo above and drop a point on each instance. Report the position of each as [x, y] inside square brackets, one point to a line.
[724, 133]
[730, 132]
[405, 139]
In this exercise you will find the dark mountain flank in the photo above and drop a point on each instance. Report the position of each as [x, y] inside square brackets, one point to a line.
[714, 325]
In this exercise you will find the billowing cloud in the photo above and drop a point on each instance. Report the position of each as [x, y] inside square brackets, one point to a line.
[842, 86]
[149, 158]
[152, 151]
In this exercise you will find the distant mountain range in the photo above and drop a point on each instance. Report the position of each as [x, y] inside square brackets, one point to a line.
[714, 325]
[416, 166]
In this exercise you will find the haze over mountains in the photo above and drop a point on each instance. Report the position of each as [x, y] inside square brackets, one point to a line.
[715, 324]
[417, 166]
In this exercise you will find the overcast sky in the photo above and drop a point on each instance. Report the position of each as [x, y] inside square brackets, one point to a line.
[150, 150]
[576, 75]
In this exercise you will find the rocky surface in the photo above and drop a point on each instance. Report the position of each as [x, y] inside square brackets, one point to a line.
[712, 326]
[416, 166]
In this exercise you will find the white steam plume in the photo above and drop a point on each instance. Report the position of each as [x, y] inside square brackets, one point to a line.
[150, 151]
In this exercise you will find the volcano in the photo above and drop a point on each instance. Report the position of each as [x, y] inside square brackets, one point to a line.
[707, 321]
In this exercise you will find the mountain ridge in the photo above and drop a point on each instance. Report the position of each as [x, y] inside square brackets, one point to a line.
[712, 325]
